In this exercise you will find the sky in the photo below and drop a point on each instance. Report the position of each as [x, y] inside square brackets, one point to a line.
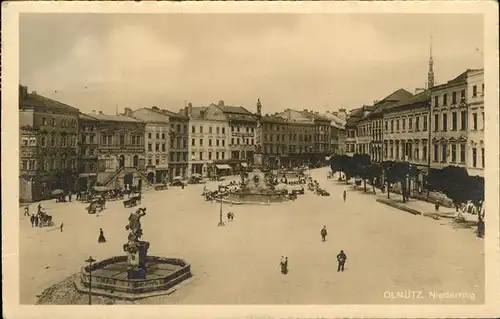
[319, 62]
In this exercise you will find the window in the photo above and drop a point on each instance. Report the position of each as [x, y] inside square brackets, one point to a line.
[216, 155]
[482, 123]
[209, 130]
[454, 121]
[193, 129]
[178, 143]
[417, 123]
[150, 161]
[436, 122]
[424, 152]
[453, 153]
[223, 155]
[436, 101]
[157, 136]
[482, 157]
[184, 143]
[185, 131]
[232, 140]
[463, 120]
[44, 141]
[445, 122]
[217, 142]
[163, 147]
[444, 154]
[223, 130]
[462, 153]
[462, 95]
[386, 126]
[223, 143]
[209, 142]
[162, 136]
[209, 155]
[397, 125]
[474, 92]
[150, 147]
[157, 161]
[201, 142]
[454, 98]
[404, 124]
[53, 122]
[474, 157]
[474, 121]
[435, 155]
[201, 129]
[425, 123]
[482, 88]
[445, 99]
[44, 120]
[157, 147]
[193, 142]
[410, 124]
[201, 156]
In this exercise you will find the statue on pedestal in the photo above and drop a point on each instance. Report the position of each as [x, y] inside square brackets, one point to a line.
[136, 249]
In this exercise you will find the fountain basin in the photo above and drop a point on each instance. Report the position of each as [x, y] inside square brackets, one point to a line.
[109, 278]
[255, 198]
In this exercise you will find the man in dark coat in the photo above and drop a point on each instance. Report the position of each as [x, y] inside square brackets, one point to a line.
[323, 233]
[344, 195]
[32, 220]
[341, 258]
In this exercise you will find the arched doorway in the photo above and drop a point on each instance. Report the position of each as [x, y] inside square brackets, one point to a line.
[121, 161]
[128, 179]
[151, 177]
[135, 161]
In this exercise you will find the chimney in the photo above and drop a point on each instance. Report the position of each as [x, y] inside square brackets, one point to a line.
[127, 111]
[100, 113]
[419, 90]
[23, 92]
[155, 108]
[190, 108]
[221, 103]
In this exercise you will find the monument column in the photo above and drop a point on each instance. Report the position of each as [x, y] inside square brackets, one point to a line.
[257, 157]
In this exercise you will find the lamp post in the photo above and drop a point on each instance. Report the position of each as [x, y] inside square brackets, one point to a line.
[90, 261]
[221, 223]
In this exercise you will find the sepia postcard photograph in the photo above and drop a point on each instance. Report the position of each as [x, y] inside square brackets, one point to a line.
[249, 160]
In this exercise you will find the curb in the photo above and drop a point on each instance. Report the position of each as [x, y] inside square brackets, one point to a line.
[399, 206]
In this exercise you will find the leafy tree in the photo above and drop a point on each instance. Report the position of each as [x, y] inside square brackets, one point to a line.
[454, 184]
[375, 172]
[396, 172]
[388, 170]
[361, 164]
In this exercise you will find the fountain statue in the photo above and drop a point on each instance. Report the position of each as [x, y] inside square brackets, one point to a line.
[136, 249]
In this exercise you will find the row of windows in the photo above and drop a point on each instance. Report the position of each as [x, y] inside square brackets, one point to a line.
[411, 127]
[454, 98]
[218, 142]
[218, 130]
[201, 156]
[444, 152]
[64, 122]
[441, 121]
[273, 127]
[274, 137]
[408, 151]
[48, 164]
[108, 139]
[64, 141]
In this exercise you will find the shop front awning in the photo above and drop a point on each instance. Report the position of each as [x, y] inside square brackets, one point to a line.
[244, 164]
[223, 166]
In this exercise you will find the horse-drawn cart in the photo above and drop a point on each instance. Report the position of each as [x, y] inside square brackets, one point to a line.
[132, 201]
[97, 204]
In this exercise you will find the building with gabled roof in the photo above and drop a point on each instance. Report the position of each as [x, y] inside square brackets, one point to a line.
[48, 152]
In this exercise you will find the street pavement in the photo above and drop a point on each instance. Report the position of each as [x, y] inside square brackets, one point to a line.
[388, 251]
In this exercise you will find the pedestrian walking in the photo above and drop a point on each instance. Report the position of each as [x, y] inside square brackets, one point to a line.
[32, 220]
[37, 219]
[26, 211]
[480, 227]
[323, 233]
[344, 195]
[69, 196]
[436, 206]
[341, 258]
[101, 238]
[61, 227]
[284, 265]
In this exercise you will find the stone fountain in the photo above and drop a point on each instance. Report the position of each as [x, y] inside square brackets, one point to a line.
[255, 190]
[135, 275]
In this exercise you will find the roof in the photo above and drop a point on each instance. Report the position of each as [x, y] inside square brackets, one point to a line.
[35, 99]
[172, 114]
[459, 79]
[394, 97]
[84, 116]
[233, 109]
[152, 115]
[114, 118]
[314, 116]
[274, 119]
[420, 98]
[196, 111]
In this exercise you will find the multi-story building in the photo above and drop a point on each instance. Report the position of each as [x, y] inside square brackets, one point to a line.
[301, 132]
[48, 150]
[121, 151]
[157, 137]
[242, 124]
[357, 141]
[321, 144]
[274, 140]
[337, 132]
[406, 131]
[457, 116]
[179, 146]
[88, 163]
[209, 140]
[374, 122]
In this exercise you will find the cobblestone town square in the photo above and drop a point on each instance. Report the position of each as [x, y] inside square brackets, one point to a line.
[392, 256]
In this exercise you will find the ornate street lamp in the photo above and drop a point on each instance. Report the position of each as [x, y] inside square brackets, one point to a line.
[221, 223]
[90, 261]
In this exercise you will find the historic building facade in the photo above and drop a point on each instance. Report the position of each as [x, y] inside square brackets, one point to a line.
[209, 140]
[242, 138]
[274, 140]
[121, 152]
[337, 132]
[88, 162]
[406, 131]
[48, 150]
[156, 141]
[457, 116]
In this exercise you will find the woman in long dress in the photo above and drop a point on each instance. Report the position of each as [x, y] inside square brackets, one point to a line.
[101, 238]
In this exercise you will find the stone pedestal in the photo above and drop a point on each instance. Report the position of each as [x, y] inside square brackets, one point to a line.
[136, 258]
[257, 160]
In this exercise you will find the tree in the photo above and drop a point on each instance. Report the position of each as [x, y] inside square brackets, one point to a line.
[454, 184]
[396, 172]
[475, 187]
[388, 168]
[375, 172]
[361, 164]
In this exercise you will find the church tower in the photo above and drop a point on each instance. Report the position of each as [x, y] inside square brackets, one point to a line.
[430, 74]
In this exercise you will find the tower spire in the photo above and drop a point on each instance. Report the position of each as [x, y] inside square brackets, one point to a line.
[430, 74]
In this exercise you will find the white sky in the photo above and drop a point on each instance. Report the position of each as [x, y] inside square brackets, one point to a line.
[313, 61]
